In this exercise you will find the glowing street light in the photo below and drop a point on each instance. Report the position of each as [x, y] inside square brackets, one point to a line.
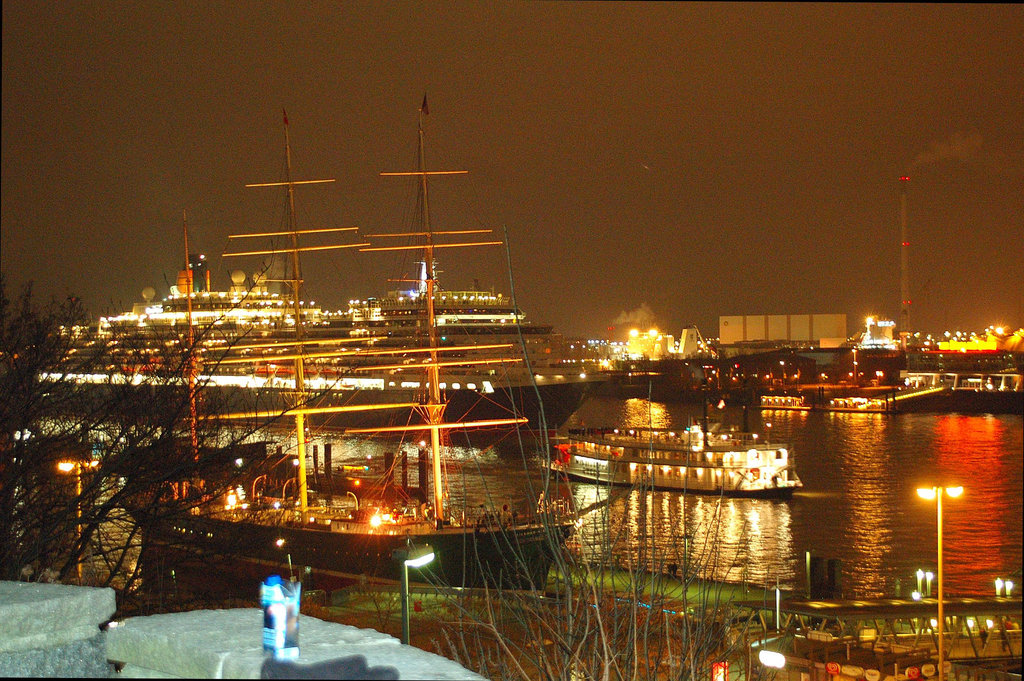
[410, 556]
[771, 658]
[937, 493]
[76, 467]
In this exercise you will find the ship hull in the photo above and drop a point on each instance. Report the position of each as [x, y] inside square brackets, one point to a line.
[582, 474]
[517, 557]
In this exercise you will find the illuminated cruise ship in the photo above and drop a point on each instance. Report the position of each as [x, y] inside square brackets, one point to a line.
[243, 333]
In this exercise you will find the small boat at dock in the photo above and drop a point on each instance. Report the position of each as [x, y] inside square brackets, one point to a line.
[690, 461]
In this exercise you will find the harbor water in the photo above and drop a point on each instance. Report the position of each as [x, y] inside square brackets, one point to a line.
[858, 503]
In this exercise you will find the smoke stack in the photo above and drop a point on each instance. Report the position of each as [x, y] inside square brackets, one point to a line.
[904, 318]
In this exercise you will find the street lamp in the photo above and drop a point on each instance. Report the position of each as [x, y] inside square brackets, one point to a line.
[76, 467]
[410, 556]
[771, 658]
[937, 493]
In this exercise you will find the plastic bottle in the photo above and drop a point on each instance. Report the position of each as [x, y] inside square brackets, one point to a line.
[280, 603]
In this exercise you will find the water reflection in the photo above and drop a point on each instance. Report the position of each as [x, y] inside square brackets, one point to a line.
[640, 413]
[869, 494]
[728, 539]
[859, 505]
[968, 452]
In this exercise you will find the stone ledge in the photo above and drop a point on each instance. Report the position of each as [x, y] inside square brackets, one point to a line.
[228, 644]
[79, 659]
[39, 616]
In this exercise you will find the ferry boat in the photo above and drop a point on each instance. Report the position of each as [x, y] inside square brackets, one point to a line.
[689, 461]
[359, 537]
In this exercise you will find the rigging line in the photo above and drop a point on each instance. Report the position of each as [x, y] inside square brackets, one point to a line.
[542, 420]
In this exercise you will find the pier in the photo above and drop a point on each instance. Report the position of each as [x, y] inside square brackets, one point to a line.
[893, 639]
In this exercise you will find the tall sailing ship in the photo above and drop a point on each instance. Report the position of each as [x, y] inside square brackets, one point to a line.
[357, 534]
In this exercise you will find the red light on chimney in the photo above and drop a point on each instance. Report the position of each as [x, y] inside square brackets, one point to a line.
[904, 178]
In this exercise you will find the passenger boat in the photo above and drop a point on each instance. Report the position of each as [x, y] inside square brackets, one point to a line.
[358, 534]
[690, 461]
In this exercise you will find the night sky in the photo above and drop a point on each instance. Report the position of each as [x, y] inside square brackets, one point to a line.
[670, 161]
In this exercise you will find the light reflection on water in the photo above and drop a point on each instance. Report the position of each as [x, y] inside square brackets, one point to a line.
[858, 504]
[860, 473]
[730, 539]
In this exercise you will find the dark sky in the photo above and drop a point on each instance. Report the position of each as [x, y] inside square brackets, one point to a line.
[685, 160]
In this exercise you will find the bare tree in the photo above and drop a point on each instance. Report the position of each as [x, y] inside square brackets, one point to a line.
[601, 617]
[98, 437]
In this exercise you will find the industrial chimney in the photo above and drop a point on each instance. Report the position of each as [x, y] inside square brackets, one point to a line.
[904, 317]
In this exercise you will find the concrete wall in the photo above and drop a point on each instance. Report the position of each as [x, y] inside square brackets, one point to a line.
[780, 327]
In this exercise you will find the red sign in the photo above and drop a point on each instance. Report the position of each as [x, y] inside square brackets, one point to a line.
[913, 672]
[719, 671]
[833, 668]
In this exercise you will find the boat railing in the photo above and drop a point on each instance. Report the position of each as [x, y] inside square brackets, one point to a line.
[728, 454]
[668, 439]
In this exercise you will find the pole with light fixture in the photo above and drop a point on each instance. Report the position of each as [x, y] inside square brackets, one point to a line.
[410, 556]
[76, 467]
[937, 493]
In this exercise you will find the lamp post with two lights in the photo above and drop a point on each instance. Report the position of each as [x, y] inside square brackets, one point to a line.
[937, 493]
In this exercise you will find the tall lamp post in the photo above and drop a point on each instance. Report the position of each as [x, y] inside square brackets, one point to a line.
[937, 493]
[410, 556]
[76, 467]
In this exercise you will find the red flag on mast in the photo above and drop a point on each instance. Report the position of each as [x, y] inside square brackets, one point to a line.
[423, 107]
[285, 115]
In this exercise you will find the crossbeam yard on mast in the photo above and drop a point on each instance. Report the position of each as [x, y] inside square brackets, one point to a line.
[301, 249]
[457, 425]
[415, 247]
[435, 233]
[365, 353]
[298, 231]
[314, 341]
[306, 411]
[423, 365]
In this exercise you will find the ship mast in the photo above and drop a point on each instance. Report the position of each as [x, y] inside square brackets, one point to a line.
[190, 369]
[300, 366]
[434, 408]
[299, 396]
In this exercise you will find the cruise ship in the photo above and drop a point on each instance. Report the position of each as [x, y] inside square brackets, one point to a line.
[245, 331]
